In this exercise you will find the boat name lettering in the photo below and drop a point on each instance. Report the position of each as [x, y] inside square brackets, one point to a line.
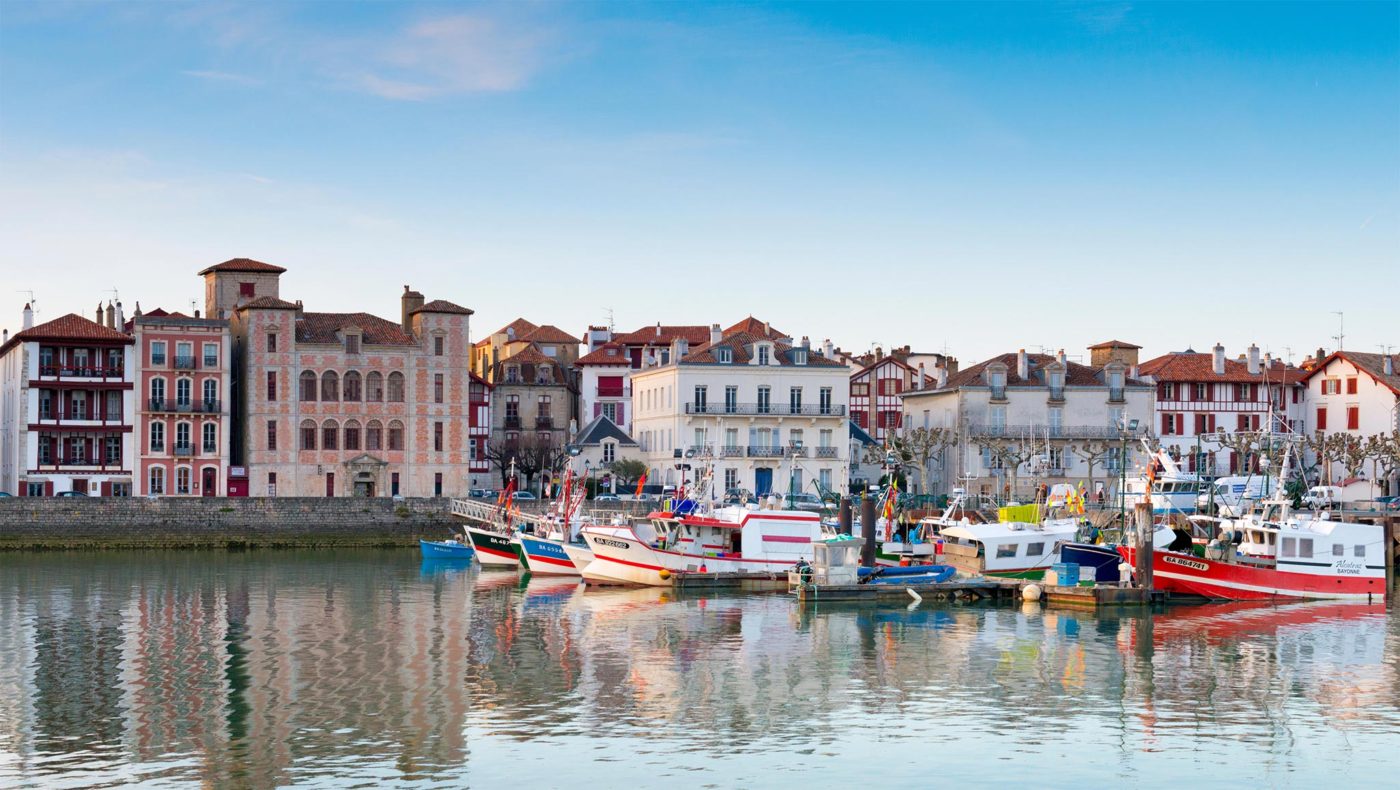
[1348, 567]
[1185, 563]
[617, 544]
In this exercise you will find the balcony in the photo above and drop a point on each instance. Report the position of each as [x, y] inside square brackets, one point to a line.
[544, 423]
[766, 452]
[796, 452]
[80, 461]
[700, 451]
[998, 392]
[1042, 431]
[184, 449]
[765, 409]
[75, 416]
[731, 451]
[826, 452]
[80, 371]
[1115, 394]
[183, 363]
[513, 421]
[213, 406]
[1057, 394]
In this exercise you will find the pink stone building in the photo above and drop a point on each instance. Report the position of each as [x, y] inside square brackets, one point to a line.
[183, 422]
[345, 404]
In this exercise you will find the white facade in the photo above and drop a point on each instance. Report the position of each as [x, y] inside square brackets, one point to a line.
[1353, 393]
[767, 428]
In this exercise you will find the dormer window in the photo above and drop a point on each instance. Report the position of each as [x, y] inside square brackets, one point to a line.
[799, 356]
[513, 374]
[765, 354]
[543, 375]
[724, 354]
[352, 344]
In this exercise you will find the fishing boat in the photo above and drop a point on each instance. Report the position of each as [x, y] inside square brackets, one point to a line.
[454, 549]
[494, 548]
[1170, 489]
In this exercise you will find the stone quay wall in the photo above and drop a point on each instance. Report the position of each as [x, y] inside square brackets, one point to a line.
[219, 522]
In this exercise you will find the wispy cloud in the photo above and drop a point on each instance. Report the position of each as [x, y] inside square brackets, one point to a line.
[1100, 17]
[464, 53]
[223, 76]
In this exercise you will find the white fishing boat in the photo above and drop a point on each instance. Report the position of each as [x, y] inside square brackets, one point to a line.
[1019, 549]
[1173, 491]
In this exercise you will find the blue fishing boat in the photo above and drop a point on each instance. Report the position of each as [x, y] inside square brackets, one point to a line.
[445, 550]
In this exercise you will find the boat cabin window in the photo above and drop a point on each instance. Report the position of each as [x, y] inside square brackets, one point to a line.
[1006, 550]
[1359, 550]
[1338, 550]
[1305, 547]
[1290, 548]
[1035, 549]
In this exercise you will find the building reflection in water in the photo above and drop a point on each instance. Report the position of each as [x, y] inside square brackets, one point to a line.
[272, 668]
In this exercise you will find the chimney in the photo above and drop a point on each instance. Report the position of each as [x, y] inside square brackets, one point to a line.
[28, 317]
[716, 334]
[828, 349]
[1023, 366]
[1320, 354]
[682, 348]
[298, 307]
[879, 353]
[767, 330]
[1133, 371]
[4, 337]
[410, 301]
[941, 372]
[1388, 365]
[1253, 359]
[99, 313]
[806, 342]
[137, 314]
[658, 329]
[1061, 357]
[121, 315]
[196, 314]
[918, 385]
[1219, 362]
[111, 316]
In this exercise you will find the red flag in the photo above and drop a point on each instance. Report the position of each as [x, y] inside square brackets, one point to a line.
[641, 482]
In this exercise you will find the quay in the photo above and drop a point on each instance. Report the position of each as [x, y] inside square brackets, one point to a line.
[995, 590]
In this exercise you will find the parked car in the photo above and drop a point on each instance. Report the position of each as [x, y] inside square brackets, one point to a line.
[607, 498]
[482, 493]
[804, 501]
[4, 494]
[738, 496]
[523, 496]
[71, 493]
[1385, 502]
[1319, 497]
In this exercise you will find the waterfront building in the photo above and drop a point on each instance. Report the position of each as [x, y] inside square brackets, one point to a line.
[479, 428]
[518, 336]
[183, 380]
[1024, 419]
[770, 415]
[601, 443]
[1201, 399]
[876, 387]
[535, 398]
[345, 404]
[605, 370]
[67, 407]
[1354, 393]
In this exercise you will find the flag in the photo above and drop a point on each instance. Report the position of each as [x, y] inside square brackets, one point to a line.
[891, 494]
[641, 481]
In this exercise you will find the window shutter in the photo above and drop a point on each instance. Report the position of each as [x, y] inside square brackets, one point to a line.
[48, 488]
[620, 416]
[106, 488]
[1211, 422]
[1166, 424]
[1322, 418]
[597, 409]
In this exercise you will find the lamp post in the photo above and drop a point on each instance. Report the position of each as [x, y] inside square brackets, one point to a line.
[1126, 427]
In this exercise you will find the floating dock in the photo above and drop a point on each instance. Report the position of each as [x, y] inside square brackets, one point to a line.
[998, 590]
[740, 581]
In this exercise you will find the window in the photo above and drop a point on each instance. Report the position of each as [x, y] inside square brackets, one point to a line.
[609, 452]
[724, 354]
[765, 353]
[437, 437]
[1035, 549]
[731, 439]
[396, 387]
[77, 449]
[272, 434]
[543, 411]
[158, 352]
[246, 290]
[795, 400]
[393, 484]
[1353, 418]
[184, 355]
[1289, 548]
[352, 435]
[731, 399]
[824, 438]
[271, 385]
[437, 484]
[512, 408]
[157, 437]
[46, 402]
[158, 393]
[211, 393]
[795, 438]
[731, 479]
[308, 386]
[182, 392]
[765, 397]
[308, 435]
[609, 410]
[996, 416]
[112, 449]
[182, 437]
[544, 374]
[824, 400]
[330, 386]
[352, 344]
[330, 435]
[474, 445]
[861, 389]
[1338, 550]
[1305, 548]
[271, 343]
[211, 355]
[1351, 386]
[438, 343]
[701, 398]
[374, 387]
[437, 388]
[1331, 386]
[352, 392]
[156, 481]
[1359, 550]
[374, 435]
[395, 435]
[1006, 550]
[272, 484]
[1322, 418]
[182, 480]
[210, 433]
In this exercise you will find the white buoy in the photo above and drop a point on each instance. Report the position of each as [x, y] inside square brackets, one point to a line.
[918, 599]
[1031, 592]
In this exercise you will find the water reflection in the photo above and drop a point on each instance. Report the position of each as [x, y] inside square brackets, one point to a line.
[316, 667]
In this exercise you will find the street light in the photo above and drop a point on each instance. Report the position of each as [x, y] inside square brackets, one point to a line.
[1125, 428]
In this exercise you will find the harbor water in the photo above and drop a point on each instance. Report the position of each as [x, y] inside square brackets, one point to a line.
[375, 668]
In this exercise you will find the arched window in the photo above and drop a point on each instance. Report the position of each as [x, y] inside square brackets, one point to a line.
[182, 438]
[396, 387]
[308, 435]
[308, 385]
[156, 484]
[374, 435]
[330, 435]
[330, 386]
[352, 434]
[182, 480]
[352, 387]
[183, 388]
[158, 393]
[157, 437]
[395, 433]
[211, 393]
[374, 387]
[211, 437]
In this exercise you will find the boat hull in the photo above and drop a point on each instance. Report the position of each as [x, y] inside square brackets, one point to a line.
[579, 555]
[1228, 581]
[494, 549]
[1103, 561]
[626, 559]
[440, 550]
[546, 557]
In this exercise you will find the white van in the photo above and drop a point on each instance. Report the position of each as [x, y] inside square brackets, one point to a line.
[1233, 496]
[1320, 497]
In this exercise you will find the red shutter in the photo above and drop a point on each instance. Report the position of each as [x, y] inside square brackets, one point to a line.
[620, 416]
[597, 409]
[48, 488]
[1166, 424]
[1351, 386]
[1161, 390]
[1353, 418]
[1322, 418]
[106, 489]
[1211, 423]
[1200, 423]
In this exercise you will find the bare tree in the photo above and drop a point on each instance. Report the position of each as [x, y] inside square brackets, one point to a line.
[539, 453]
[1010, 453]
[1094, 452]
[503, 455]
[1383, 449]
[915, 448]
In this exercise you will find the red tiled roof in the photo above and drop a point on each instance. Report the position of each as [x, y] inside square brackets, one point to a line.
[1113, 344]
[1193, 366]
[520, 325]
[664, 334]
[322, 328]
[1076, 375]
[1372, 364]
[443, 306]
[243, 265]
[268, 303]
[548, 334]
[755, 327]
[68, 327]
[608, 354]
[527, 359]
[741, 342]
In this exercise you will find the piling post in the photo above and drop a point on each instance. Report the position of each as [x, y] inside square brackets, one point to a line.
[867, 531]
[843, 517]
[1143, 539]
[1390, 548]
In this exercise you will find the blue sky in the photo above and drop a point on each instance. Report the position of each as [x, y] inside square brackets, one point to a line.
[982, 177]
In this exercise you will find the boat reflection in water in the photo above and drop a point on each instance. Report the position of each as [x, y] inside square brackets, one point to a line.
[275, 668]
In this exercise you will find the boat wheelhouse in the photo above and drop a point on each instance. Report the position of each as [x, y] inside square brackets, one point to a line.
[1006, 548]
